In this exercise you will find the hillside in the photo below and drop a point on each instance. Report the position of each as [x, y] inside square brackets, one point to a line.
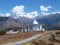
[50, 22]
[8, 22]
[52, 38]
[16, 37]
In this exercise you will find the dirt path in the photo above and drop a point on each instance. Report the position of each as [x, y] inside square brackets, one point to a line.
[25, 40]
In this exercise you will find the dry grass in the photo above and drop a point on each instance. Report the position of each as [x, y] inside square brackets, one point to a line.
[16, 37]
[44, 40]
[23, 35]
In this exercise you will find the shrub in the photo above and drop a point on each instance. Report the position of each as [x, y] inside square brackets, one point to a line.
[52, 37]
[51, 44]
[57, 33]
[40, 43]
[57, 41]
[2, 32]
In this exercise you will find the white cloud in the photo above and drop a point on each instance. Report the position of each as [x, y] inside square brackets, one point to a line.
[56, 12]
[7, 14]
[28, 15]
[44, 13]
[35, 13]
[18, 10]
[2, 15]
[43, 8]
[31, 14]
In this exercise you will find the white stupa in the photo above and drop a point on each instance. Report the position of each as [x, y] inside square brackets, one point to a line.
[35, 27]
[35, 22]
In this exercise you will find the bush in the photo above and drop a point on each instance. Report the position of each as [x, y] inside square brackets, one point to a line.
[52, 38]
[2, 32]
[40, 43]
[57, 41]
[51, 44]
[57, 33]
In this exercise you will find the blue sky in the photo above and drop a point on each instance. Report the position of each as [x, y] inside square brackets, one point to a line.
[29, 5]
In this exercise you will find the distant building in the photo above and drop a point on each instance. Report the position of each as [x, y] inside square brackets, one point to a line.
[36, 26]
[11, 25]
